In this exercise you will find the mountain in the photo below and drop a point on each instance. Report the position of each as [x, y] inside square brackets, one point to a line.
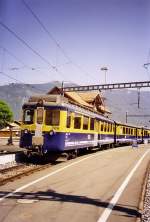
[16, 94]
[125, 101]
[118, 101]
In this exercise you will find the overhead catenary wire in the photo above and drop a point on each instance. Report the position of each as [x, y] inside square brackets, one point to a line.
[55, 41]
[30, 47]
[20, 61]
[12, 55]
[21, 82]
[12, 78]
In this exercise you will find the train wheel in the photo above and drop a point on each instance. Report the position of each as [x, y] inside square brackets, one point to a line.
[72, 154]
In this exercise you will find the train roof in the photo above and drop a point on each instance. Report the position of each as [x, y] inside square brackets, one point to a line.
[61, 102]
[130, 125]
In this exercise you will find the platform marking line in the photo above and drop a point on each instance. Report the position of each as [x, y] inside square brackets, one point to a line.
[48, 175]
[106, 213]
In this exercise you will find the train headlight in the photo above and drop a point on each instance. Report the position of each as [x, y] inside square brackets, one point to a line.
[26, 131]
[52, 132]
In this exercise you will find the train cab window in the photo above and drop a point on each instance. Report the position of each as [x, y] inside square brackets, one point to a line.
[92, 124]
[28, 116]
[85, 122]
[52, 117]
[77, 122]
[68, 123]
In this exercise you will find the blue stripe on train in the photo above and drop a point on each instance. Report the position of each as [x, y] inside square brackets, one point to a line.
[67, 141]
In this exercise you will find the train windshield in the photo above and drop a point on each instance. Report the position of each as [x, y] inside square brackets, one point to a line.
[52, 117]
[28, 116]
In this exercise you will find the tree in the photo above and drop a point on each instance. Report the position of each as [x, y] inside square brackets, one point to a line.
[6, 114]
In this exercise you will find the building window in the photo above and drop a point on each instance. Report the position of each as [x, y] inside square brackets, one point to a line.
[85, 122]
[52, 117]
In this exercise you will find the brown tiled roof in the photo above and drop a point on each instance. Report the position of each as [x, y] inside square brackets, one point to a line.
[77, 98]
[89, 96]
[83, 98]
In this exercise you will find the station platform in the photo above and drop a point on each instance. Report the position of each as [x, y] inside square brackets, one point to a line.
[9, 154]
[5, 148]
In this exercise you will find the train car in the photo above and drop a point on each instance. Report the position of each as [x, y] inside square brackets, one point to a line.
[106, 132]
[51, 124]
[145, 135]
[126, 134]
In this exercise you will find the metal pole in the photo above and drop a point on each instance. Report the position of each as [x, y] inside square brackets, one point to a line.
[126, 117]
[62, 88]
[138, 98]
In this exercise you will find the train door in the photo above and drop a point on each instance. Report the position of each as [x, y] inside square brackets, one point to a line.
[38, 138]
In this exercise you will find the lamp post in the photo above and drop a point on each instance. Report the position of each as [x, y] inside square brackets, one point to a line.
[105, 69]
[10, 139]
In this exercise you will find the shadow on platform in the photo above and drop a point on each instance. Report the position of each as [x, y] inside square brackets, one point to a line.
[51, 195]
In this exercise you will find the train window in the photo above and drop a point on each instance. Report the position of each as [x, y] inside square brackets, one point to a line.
[85, 122]
[52, 117]
[102, 127]
[129, 131]
[28, 116]
[123, 130]
[105, 127]
[68, 123]
[92, 124]
[40, 113]
[77, 122]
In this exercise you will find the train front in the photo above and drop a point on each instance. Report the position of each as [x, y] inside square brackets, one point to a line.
[41, 126]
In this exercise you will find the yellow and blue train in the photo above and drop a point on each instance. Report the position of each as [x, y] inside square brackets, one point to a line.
[50, 124]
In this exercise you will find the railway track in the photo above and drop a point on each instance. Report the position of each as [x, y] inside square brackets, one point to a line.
[15, 172]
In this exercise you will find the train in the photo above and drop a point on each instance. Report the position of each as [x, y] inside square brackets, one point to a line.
[53, 125]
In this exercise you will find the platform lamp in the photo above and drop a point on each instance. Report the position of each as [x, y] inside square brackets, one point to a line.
[105, 69]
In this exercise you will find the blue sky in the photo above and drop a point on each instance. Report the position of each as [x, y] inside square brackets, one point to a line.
[93, 33]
